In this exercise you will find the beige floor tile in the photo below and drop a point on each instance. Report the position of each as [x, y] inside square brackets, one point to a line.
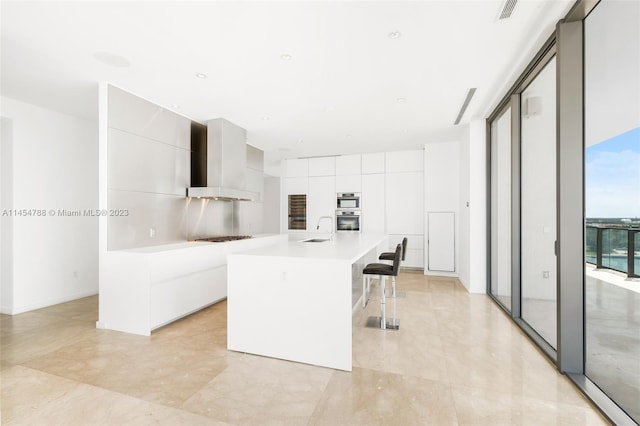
[164, 372]
[62, 402]
[26, 391]
[478, 407]
[368, 397]
[262, 391]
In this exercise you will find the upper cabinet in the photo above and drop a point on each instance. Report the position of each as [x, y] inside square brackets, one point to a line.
[349, 165]
[404, 161]
[296, 167]
[373, 163]
[322, 166]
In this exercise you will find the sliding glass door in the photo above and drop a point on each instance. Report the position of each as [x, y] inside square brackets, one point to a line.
[538, 203]
[612, 201]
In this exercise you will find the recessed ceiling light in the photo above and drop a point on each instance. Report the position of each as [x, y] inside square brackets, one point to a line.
[201, 75]
[405, 131]
[401, 100]
[394, 35]
[300, 140]
[348, 136]
[266, 118]
[286, 57]
[112, 59]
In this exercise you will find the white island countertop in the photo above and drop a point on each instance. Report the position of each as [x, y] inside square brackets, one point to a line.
[347, 246]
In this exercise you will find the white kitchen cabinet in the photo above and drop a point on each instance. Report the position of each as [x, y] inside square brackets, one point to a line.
[373, 203]
[404, 161]
[296, 167]
[404, 200]
[321, 201]
[441, 236]
[296, 185]
[322, 166]
[351, 183]
[349, 165]
[373, 163]
[415, 249]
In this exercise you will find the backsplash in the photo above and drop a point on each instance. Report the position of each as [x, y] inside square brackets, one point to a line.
[207, 217]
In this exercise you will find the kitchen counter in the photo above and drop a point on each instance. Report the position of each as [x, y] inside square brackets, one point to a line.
[295, 300]
[348, 246]
[142, 289]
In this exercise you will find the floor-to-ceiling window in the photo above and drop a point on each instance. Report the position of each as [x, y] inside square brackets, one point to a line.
[612, 201]
[574, 192]
[538, 203]
[501, 208]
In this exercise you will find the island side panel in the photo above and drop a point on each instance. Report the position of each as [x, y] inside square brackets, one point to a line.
[296, 309]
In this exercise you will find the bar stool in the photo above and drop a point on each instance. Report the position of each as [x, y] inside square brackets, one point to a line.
[381, 270]
[389, 255]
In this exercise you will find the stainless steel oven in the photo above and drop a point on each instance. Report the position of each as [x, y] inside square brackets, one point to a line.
[348, 220]
[348, 200]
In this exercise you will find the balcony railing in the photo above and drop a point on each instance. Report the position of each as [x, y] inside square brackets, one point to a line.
[614, 247]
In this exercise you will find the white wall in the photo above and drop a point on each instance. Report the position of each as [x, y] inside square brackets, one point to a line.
[442, 191]
[463, 217]
[473, 218]
[52, 163]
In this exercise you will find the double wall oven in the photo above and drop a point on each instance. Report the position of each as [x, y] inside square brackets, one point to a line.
[348, 214]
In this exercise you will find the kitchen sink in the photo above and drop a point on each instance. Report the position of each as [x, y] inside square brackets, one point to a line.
[315, 240]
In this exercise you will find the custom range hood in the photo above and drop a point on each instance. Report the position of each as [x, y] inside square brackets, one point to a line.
[219, 162]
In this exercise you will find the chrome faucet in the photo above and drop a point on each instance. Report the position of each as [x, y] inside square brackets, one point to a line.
[330, 223]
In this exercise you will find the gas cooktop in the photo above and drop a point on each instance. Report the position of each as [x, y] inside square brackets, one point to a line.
[223, 238]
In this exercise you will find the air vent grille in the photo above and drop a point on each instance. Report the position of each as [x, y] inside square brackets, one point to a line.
[467, 100]
[507, 9]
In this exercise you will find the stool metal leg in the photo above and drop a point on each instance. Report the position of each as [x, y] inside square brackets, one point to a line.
[393, 286]
[383, 315]
[365, 278]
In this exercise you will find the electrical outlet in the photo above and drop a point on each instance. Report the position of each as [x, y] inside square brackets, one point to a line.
[75, 274]
[152, 232]
[545, 274]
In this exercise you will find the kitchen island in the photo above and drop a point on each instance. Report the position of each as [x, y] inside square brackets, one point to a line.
[295, 300]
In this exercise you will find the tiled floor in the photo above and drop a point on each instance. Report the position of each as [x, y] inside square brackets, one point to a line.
[457, 359]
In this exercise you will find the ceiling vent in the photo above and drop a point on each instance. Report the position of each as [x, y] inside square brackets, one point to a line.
[507, 9]
[467, 100]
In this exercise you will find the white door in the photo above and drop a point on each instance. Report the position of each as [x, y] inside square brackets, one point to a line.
[441, 241]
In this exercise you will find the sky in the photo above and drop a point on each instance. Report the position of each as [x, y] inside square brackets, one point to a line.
[612, 177]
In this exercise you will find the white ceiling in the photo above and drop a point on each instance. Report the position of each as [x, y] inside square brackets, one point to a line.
[339, 92]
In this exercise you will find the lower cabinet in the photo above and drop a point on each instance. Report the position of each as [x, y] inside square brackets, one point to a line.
[146, 288]
[184, 295]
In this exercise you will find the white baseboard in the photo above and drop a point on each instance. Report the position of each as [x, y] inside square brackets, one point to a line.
[441, 274]
[46, 303]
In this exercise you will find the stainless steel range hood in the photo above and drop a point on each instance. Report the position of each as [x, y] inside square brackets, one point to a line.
[219, 162]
